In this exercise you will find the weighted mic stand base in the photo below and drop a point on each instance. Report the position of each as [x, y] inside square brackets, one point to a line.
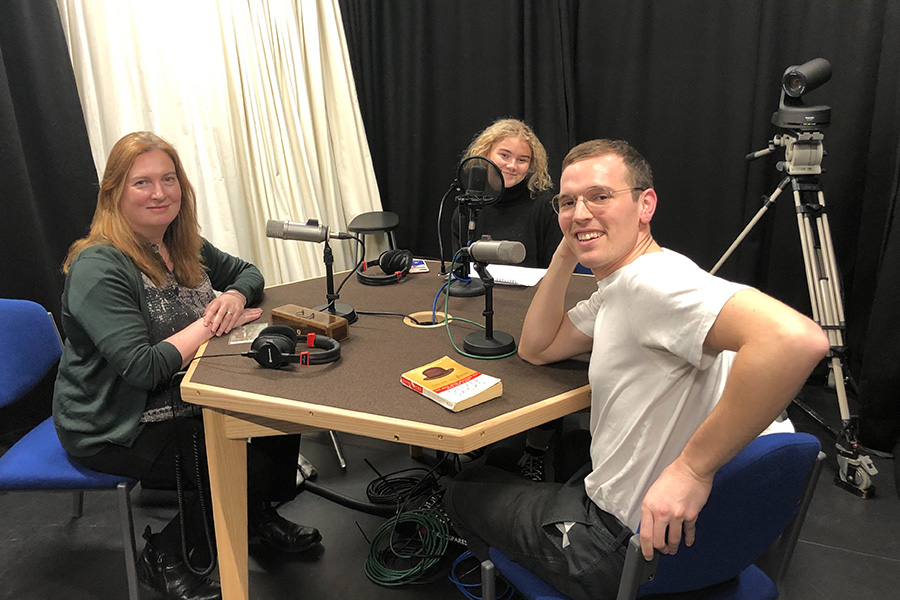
[466, 289]
[339, 310]
[476, 343]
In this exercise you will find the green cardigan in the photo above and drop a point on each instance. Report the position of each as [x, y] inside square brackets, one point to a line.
[108, 365]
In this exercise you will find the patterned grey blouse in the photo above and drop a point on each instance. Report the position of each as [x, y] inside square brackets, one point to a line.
[172, 307]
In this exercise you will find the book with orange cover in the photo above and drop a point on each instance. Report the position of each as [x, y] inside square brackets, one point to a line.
[452, 385]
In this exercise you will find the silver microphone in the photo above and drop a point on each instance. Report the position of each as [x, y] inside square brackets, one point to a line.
[310, 231]
[497, 252]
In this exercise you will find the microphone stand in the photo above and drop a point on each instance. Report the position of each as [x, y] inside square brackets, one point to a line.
[488, 342]
[332, 308]
[463, 285]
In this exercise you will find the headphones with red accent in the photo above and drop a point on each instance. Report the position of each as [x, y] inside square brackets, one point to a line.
[395, 264]
[276, 346]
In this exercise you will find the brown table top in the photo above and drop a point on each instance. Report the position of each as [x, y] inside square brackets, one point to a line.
[365, 383]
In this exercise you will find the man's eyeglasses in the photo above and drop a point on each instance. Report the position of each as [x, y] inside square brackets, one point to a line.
[594, 197]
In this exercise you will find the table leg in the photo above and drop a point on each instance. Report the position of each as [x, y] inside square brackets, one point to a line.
[227, 460]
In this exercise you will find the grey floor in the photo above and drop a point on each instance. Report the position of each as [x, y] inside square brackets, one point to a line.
[849, 548]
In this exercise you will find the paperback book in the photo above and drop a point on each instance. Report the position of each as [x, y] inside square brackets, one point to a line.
[452, 385]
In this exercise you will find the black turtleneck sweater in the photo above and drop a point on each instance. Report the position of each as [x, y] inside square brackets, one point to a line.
[519, 217]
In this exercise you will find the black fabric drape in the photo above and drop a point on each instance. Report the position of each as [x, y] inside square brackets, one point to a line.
[877, 275]
[431, 75]
[48, 182]
[691, 84]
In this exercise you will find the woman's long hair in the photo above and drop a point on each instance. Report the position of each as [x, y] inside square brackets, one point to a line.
[109, 227]
[504, 128]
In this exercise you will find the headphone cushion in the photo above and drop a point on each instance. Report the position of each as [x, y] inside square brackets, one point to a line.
[392, 261]
[273, 345]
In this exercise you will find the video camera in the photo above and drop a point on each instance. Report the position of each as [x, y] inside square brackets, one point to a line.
[796, 81]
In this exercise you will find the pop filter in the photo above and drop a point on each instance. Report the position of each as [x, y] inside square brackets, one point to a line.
[481, 181]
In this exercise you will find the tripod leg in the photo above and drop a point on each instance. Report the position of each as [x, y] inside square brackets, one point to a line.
[830, 262]
[759, 214]
[855, 470]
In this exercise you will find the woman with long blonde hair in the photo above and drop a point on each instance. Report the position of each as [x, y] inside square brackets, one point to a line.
[523, 212]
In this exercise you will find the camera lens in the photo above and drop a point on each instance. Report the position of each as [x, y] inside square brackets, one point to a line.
[794, 84]
[806, 77]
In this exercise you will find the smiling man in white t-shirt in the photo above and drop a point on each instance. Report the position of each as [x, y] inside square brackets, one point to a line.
[686, 369]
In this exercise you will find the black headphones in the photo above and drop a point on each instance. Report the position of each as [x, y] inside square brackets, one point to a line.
[276, 345]
[394, 263]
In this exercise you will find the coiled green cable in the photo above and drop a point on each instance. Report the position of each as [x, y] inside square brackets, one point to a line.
[421, 550]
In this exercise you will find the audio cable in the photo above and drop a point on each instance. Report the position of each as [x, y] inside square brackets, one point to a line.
[447, 320]
[401, 486]
[458, 580]
[405, 547]
[410, 543]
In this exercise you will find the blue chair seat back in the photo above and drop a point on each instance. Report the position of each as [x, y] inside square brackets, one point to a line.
[754, 498]
[29, 347]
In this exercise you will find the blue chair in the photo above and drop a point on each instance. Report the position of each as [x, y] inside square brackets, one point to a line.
[29, 348]
[583, 270]
[758, 502]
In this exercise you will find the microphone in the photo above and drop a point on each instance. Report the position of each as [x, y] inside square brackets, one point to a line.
[480, 180]
[311, 231]
[475, 181]
[498, 252]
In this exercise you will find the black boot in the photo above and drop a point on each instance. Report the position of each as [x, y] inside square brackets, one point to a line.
[268, 527]
[167, 574]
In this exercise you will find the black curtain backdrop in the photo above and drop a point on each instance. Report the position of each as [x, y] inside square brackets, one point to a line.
[48, 182]
[693, 85]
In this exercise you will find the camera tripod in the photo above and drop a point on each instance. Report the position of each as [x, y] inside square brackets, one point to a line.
[803, 151]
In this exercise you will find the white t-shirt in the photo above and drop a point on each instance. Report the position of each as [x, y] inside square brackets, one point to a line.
[651, 382]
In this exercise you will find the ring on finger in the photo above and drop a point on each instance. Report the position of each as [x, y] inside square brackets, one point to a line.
[228, 312]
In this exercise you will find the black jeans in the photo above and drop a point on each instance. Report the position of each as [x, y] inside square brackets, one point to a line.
[552, 529]
[271, 472]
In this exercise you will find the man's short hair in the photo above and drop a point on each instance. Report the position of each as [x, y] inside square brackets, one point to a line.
[637, 166]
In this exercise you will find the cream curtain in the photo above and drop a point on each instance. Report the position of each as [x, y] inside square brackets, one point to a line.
[257, 96]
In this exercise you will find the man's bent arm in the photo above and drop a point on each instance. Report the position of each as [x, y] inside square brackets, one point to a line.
[547, 333]
[777, 348]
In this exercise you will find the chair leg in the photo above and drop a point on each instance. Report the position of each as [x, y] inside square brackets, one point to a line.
[123, 491]
[488, 581]
[637, 569]
[337, 449]
[789, 537]
[77, 504]
[392, 242]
